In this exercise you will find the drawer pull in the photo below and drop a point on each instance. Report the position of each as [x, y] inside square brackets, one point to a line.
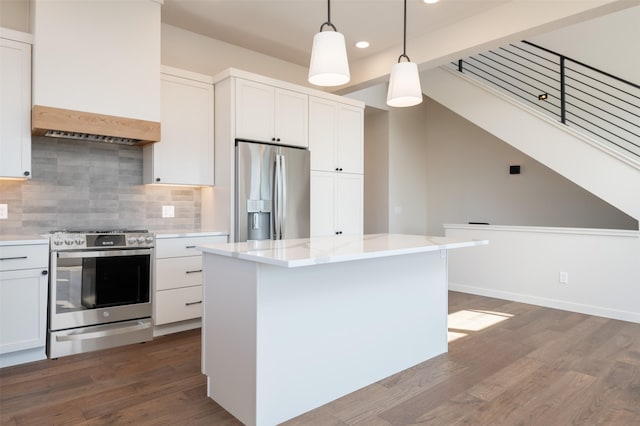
[190, 247]
[13, 258]
[193, 272]
[193, 303]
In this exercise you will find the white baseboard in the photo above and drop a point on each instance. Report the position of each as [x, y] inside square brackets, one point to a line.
[22, 357]
[161, 330]
[548, 303]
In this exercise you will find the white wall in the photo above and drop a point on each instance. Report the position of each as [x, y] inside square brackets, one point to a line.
[407, 171]
[524, 264]
[194, 52]
[376, 171]
[608, 43]
[468, 180]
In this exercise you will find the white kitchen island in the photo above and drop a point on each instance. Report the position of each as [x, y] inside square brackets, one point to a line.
[293, 324]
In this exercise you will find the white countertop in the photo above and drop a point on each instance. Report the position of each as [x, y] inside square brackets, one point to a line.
[22, 240]
[343, 248]
[177, 234]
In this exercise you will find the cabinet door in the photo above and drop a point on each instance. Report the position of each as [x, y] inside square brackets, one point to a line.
[177, 272]
[291, 118]
[15, 109]
[323, 133]
[23, 309]
[255, 111]
[184, 156]
[178, 305]
[350, 144]
[349, 203]
[322, 203]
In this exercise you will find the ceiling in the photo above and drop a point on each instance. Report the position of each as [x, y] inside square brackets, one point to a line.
[284, 28]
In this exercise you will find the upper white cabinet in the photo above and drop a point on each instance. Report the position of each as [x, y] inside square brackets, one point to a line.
[184, 155]
[99, 56]
[336, 136]
[271, 114]
[15, 106]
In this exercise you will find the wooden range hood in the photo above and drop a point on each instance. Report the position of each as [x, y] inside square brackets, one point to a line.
[69, 124]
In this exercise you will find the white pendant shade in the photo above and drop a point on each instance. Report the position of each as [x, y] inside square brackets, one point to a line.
[329, 65]
[404, 85]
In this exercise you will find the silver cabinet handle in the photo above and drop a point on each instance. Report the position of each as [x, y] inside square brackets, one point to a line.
[190, 247]
[193, 303]
[13, 258]
[193, 272]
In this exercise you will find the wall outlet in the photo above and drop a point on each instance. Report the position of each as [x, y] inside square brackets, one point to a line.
[4, 211]
[564, 278]
[168, 211]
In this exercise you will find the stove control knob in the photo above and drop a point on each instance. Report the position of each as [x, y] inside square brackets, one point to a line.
[79, 241]
[141, 240]
[149, 239]
[68, 242]
[57, 242]
[132, 240]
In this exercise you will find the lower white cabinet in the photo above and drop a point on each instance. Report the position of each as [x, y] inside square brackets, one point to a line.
[23, 302]
[336, 203]
[178, 277]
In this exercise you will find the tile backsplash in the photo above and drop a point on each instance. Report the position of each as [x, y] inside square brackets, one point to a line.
[77, 184]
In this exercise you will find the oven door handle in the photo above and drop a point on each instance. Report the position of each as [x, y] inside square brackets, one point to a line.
[103, 333]
[103, 253]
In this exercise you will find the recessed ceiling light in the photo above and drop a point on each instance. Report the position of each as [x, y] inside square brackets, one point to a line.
[362, 44]
[430, 1]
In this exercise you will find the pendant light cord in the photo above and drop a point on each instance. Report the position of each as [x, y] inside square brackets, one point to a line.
[404, 45]
[329, 17]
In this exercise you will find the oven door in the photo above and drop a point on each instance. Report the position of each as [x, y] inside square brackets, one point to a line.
[97, 287]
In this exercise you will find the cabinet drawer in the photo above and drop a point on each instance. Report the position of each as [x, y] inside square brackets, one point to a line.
[24, 257]
[184, 246]
[177, 272]
[178, 304]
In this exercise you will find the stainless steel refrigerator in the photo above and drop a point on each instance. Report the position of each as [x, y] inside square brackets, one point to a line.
[272, 192]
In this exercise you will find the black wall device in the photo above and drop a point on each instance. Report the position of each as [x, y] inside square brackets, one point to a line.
[514, 170]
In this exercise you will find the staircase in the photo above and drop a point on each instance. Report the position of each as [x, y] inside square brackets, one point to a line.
[603, 157]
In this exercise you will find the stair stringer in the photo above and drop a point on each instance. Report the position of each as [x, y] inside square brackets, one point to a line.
[588, 163]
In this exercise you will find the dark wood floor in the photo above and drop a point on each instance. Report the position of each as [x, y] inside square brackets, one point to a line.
[511, 364]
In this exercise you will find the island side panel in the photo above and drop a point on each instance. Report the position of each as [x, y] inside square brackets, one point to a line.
[229, 334]
[327, 330]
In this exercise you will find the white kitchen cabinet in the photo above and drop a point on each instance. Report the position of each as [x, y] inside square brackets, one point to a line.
[23, 301]
[178, 281]
[15, 106]
[271, 114]
[336, 203]
[184, 155]
[336, 136]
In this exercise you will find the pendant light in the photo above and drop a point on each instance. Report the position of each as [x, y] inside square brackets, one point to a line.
[329, 65]
[404, 83]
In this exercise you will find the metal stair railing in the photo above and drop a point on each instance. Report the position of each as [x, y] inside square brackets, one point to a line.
[578, 95]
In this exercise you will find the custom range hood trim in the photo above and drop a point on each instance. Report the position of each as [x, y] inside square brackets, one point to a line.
[58, 122]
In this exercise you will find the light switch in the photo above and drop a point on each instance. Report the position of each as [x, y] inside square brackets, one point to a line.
[4, 211]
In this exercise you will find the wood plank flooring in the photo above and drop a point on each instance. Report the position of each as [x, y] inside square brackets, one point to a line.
[511, 364]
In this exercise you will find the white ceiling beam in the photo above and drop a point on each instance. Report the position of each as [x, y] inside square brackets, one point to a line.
[510, 22]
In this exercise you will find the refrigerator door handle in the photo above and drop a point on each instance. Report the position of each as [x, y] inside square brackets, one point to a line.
[276, 199]
[283, 198]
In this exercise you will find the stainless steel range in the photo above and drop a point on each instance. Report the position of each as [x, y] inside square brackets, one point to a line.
[99, 290]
